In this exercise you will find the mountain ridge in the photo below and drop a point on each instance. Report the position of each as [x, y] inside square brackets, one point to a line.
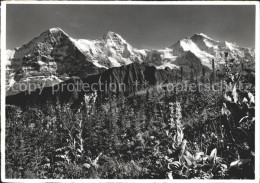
[54, 52]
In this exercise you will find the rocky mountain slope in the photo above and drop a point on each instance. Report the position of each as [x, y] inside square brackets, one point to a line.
[124, 79]
[55, 56]
[132, 77]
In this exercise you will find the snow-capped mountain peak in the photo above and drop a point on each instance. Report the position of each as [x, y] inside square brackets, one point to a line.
[57, 30]
[202, 35]
[206, 49]
[231, 46]
[56, 52]
[112, 35]
[113, 38]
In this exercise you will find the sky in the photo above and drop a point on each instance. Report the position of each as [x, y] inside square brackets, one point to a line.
[143, 26]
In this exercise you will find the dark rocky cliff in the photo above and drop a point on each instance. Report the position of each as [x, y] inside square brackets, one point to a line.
[121, 79]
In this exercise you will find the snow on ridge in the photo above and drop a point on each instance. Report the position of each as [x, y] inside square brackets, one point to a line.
[84, 45]
[208, 43]
[142, 51]
[56, 30]
[114, 62]
[189, 45]
[113, 37]
[88, 46]
[168, 64]
[10, 54]
[167, 54]
[37, 41]
[53, 30]
[115, 50]
[99, 65]
[111, 47]
[230, 46]
[205, 36]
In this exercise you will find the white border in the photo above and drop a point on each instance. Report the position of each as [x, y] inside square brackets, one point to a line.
[257, 93]
[138, 2]
[3, 57]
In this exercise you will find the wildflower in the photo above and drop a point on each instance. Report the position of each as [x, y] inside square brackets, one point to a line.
[86, 165]
[178, 113]
[212, 135]
[175, 115]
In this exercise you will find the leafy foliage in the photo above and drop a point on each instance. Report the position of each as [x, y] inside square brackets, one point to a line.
[191, 134]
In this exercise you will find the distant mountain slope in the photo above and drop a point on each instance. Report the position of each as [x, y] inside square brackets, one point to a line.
[189, 61]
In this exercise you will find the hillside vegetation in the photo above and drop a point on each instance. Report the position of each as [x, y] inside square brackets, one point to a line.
[148, 135]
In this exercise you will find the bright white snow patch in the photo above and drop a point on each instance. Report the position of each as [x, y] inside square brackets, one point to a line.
[9, 56]
[53, 30]
[189, 45]
[114, 62]
[143, 52]
[99, 65]
[57, 29]
[167, 54]
[204, 35]
[112, 36]
[208, 43]
[167, 64]
[229, 46]
[87, 46]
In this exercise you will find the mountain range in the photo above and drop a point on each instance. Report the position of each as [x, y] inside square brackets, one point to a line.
[56, 57]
